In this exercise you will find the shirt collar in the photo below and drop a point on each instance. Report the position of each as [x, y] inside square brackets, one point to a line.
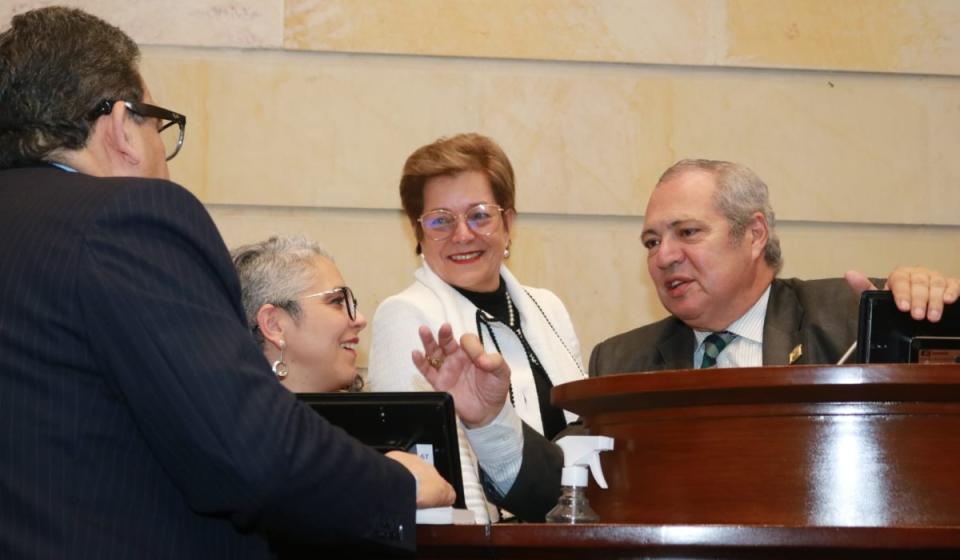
[63, 166]
[749, 325]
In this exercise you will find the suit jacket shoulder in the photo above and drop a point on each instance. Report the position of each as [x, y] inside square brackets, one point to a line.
[818, 317]
[665, 344]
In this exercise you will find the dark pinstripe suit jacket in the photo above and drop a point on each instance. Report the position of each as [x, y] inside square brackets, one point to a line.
[137, 416]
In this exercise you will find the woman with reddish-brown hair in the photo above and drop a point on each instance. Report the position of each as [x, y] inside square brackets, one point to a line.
[458, 194]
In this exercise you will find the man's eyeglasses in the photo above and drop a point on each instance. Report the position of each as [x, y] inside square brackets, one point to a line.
[172, 137]
[482, 219]
[344, 296]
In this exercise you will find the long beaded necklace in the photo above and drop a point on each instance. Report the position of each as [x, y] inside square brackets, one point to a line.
[512, 323]
[509, 316]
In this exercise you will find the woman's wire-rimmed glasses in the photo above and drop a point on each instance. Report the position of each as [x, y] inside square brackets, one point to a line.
[172, 137]
[345, 294]
[482, 219]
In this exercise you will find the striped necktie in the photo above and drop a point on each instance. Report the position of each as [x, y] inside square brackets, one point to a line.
[712, 346]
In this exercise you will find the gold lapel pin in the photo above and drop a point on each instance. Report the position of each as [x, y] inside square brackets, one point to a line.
[795, 354]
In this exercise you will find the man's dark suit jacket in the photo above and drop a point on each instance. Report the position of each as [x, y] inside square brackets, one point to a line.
[819, 315]
[138, 418]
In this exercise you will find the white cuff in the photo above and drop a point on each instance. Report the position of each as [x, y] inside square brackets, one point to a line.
[499, 448]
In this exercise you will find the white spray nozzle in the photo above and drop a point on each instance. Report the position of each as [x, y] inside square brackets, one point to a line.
[580, 453]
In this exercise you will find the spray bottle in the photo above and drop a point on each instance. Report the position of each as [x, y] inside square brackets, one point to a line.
[579, 452]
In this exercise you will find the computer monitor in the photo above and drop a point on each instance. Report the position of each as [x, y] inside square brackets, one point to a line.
[888, 335]
[420, 423]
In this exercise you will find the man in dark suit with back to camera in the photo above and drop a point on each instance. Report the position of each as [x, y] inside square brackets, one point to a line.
[713, 255]
[138, 418]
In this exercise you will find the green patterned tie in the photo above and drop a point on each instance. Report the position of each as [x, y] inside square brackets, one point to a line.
[713, 345]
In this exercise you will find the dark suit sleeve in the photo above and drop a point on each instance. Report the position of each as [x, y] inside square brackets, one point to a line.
[537, 486]
[161, 303]
[617, 354]
[594, 367]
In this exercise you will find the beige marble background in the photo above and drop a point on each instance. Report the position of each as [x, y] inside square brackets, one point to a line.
[302, 112]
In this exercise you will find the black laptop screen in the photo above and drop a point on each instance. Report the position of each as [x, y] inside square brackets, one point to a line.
[888, 335]
[420, 423]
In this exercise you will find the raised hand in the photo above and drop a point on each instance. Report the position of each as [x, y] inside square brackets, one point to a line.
[478, 381]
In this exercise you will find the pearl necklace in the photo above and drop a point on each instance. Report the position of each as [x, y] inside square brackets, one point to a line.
[512, 323]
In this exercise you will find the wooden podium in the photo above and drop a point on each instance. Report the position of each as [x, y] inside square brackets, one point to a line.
[768, 462]
[826, 446]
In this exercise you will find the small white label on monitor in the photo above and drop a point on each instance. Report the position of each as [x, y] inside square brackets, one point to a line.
[424, 451]
[938, 356]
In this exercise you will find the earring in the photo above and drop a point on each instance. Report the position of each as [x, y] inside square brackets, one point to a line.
[506, 253]
[280, 367]
[356, 386]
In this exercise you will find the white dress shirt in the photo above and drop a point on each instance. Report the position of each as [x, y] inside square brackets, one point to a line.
[746, 350]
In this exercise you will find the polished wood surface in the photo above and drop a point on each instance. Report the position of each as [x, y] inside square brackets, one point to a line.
[508, 541]
[799, 446]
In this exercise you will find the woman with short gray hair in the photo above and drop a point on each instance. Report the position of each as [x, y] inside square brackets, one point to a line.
[302, 314]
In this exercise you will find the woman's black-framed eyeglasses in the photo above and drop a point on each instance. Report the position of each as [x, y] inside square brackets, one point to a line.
[349, 300]
[172, 138]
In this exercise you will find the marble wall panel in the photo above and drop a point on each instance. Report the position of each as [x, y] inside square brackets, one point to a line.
[832, 147]
[204, 23]
[663, 31]
[300, 130]
[910, 36]
[308, 129]
[596, 265]
[902, 36]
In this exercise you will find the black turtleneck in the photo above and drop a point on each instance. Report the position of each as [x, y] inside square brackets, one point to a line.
[495, 303]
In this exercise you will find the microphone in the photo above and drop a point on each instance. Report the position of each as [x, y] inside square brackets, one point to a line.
[847, 354]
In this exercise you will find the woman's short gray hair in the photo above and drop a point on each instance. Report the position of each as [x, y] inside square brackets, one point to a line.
[739, 194]
[275, 271]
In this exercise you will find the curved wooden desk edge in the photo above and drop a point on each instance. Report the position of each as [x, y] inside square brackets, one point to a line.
[804, 383]
[638, 537]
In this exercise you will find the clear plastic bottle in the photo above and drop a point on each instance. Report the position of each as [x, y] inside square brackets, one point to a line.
[579, 454]
[572, 507]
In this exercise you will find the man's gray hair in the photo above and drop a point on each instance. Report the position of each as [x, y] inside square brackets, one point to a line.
[276, 271]
[739, 194]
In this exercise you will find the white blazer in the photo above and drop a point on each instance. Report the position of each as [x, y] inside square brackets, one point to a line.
[430, 301]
